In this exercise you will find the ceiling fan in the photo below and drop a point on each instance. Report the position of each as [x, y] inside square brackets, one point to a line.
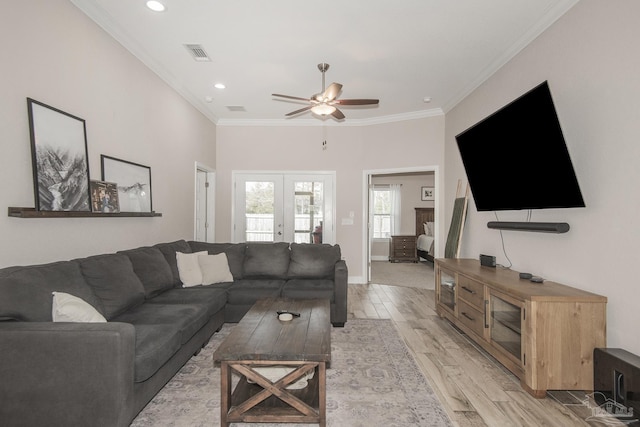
[324, 103]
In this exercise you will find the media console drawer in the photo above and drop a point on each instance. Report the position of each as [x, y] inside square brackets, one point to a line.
[471, 291]
[471, 317]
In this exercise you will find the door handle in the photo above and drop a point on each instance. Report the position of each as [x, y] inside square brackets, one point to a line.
[279, 233]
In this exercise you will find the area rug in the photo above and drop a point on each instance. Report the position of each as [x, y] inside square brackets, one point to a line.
[407, 274]
[373, 381]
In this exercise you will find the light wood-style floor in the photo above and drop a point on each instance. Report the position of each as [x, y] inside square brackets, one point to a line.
[474, 388]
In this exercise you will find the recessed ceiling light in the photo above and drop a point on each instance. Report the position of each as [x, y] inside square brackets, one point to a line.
[219, 86]
[426, 99]
[156, 6]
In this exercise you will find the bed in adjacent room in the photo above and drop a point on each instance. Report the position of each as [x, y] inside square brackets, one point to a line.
[424, 233]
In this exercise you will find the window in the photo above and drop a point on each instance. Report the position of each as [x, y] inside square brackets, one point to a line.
[381, 213]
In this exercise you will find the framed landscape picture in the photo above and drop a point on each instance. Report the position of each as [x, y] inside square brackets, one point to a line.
[104, 197]
[59, 153]
[133, 182]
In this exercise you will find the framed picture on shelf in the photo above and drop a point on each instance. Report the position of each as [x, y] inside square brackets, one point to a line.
[104, 197]
[427, 193]
[59, 154]
[133, 182]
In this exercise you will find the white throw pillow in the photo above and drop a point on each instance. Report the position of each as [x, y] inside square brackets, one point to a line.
[189, 268]
[428, 228]
[68, 308]
[215, 269]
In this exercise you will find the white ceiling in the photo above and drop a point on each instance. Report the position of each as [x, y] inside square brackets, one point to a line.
[397, 51]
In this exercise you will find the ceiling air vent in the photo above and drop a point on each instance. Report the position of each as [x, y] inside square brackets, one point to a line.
[236, 108]
[198, 52]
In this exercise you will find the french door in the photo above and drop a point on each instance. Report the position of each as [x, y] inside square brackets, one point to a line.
[279, 207]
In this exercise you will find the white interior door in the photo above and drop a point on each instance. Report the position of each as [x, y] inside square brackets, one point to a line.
[278, 207]
[204, 205]
[369, 226]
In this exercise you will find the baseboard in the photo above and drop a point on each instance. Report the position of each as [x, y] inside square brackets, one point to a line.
[379, 257]
[356, 280]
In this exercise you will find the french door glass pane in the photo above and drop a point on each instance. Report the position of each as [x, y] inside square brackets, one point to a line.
[308, 205]
[259, 211]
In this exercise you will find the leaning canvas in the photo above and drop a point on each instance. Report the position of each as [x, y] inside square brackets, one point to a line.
[60, 165]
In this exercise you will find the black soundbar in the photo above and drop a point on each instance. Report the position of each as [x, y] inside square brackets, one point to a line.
[541, 227]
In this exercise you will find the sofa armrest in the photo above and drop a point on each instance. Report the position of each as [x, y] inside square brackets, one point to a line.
[340, 280]
[66, 373]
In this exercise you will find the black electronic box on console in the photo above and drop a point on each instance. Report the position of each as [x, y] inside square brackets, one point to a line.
[487, 260]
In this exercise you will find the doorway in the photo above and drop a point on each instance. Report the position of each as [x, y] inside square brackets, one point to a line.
[284, 207]
[204, 230]
[375, 245]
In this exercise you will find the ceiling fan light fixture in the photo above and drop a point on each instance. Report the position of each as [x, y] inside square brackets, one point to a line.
[323, 109]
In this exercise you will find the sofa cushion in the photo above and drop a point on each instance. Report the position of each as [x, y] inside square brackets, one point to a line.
[266, 261]
[169, 252]
[235, 254]
[213, 298]
[152, 268]
[309, 289]
[114, 282]
[189, 318]
[155, 344]
[67, 308]
[313, 261]
[26, 291]
[248, 291]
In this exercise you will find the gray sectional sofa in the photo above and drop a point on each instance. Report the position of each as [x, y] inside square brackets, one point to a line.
[103, 374]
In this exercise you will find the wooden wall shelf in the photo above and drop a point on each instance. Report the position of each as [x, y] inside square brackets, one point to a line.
[32, 213]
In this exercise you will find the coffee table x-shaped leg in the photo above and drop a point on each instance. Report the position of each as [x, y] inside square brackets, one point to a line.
[241, 403]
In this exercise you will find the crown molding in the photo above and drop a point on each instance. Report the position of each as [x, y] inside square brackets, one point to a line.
[328, 122]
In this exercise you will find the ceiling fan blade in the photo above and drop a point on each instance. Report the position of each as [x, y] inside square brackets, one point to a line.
[293, 113]
[356, 101]
[332, 91]
[290, 97]
[338, 114]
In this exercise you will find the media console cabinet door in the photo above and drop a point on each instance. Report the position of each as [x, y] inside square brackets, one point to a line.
[560, 338]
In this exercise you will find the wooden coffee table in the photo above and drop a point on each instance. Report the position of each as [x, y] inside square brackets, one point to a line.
[261, 339]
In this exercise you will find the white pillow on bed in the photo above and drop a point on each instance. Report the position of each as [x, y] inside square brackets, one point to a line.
[428, 228]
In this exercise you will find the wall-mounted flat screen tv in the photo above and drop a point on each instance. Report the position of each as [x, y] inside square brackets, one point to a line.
[517, 157]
